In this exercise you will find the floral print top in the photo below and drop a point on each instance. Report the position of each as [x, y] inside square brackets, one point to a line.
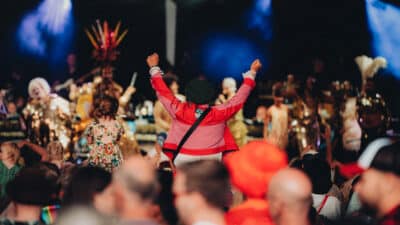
[103, 137]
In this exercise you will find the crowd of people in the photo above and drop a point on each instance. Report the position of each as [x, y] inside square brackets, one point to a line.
[325, 155]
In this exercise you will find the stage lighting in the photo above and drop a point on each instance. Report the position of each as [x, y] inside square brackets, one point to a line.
[260, 18]
[54, 15]
[226, 55]
[46, 30]
[384, 24]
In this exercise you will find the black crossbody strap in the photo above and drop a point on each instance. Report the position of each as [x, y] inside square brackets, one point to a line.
[190, 131]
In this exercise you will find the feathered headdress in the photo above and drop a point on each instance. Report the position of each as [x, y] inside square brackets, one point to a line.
[368, 66]
[105, 41]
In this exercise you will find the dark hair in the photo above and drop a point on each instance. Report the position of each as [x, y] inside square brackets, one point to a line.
[107, 106]
[31, 186]
[277, 90]
[84, 184]
[210, 178]
[388, 159]
[52, 174]
[166, 198]
[199, 91]
[319, 172]
[170, 78]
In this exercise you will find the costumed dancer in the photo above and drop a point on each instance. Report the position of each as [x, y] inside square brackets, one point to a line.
[235, 124]
[105, 41]
[212, 137]
[372, 109]
[276, 122]
[48, 115]
[103, 135]
[351, 136]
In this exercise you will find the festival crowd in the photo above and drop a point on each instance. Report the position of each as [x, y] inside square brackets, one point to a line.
[325, 153]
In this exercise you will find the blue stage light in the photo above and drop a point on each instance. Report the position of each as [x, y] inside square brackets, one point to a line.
[47, 30]
[260, 18]
[384, 25]
[30, 36]
[226, 55]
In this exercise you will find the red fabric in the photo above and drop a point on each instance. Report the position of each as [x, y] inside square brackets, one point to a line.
[170, 154]
[323, 203]
[252, 167]
[212, 135]
[206, 151]
[351, 170]
[392, 218]
[251, 212]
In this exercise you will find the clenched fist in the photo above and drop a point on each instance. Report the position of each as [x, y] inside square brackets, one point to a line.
[256, 66]
[152, 60]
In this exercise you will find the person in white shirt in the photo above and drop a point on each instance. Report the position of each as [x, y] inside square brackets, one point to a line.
[319, 172]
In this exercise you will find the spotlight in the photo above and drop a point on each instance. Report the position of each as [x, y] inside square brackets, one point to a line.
[228, 55]
[260, 18]
[46, 24]
[384, 24]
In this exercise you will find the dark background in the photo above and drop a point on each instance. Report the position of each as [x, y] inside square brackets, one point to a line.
[334, 31]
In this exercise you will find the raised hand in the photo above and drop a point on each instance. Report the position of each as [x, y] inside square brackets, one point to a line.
[130, 90]
[256, 66]
[152, 60]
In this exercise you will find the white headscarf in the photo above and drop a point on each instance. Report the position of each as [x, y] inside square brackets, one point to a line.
[230, 83]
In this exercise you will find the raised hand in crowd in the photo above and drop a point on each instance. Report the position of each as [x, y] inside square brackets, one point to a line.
[256, 66]
[153, 60]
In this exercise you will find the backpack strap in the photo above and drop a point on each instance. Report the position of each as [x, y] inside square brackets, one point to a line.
[323, 203]
[190, 131]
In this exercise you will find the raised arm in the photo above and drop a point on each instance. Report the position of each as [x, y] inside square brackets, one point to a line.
[229, 108]
[164, 94]
[44, 156]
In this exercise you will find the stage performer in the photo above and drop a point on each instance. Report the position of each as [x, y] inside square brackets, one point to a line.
[276, 122]
[212, 138]
[235, 124]
[48, 115]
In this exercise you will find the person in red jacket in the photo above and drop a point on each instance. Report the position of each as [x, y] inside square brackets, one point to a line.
[212, 138]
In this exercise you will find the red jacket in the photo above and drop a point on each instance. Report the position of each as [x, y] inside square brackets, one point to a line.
[212, 135]
[251, 212]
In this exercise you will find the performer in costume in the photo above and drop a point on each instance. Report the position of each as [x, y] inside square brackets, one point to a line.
[212, 137]
[48, 115]
[372, 109]
[105, 41]
[276, 122]
[235, 124]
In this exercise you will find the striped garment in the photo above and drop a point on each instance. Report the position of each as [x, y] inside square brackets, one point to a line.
[6, 175]
[212, 136]
[49, 214]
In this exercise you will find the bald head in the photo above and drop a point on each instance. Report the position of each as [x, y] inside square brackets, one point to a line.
[292, 187]
[138, 176]
[139, 168]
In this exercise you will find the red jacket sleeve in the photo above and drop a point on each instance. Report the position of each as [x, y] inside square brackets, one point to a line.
[164, 94]
[231, 107]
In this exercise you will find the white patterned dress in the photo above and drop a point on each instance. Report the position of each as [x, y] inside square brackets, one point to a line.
[103, 137]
